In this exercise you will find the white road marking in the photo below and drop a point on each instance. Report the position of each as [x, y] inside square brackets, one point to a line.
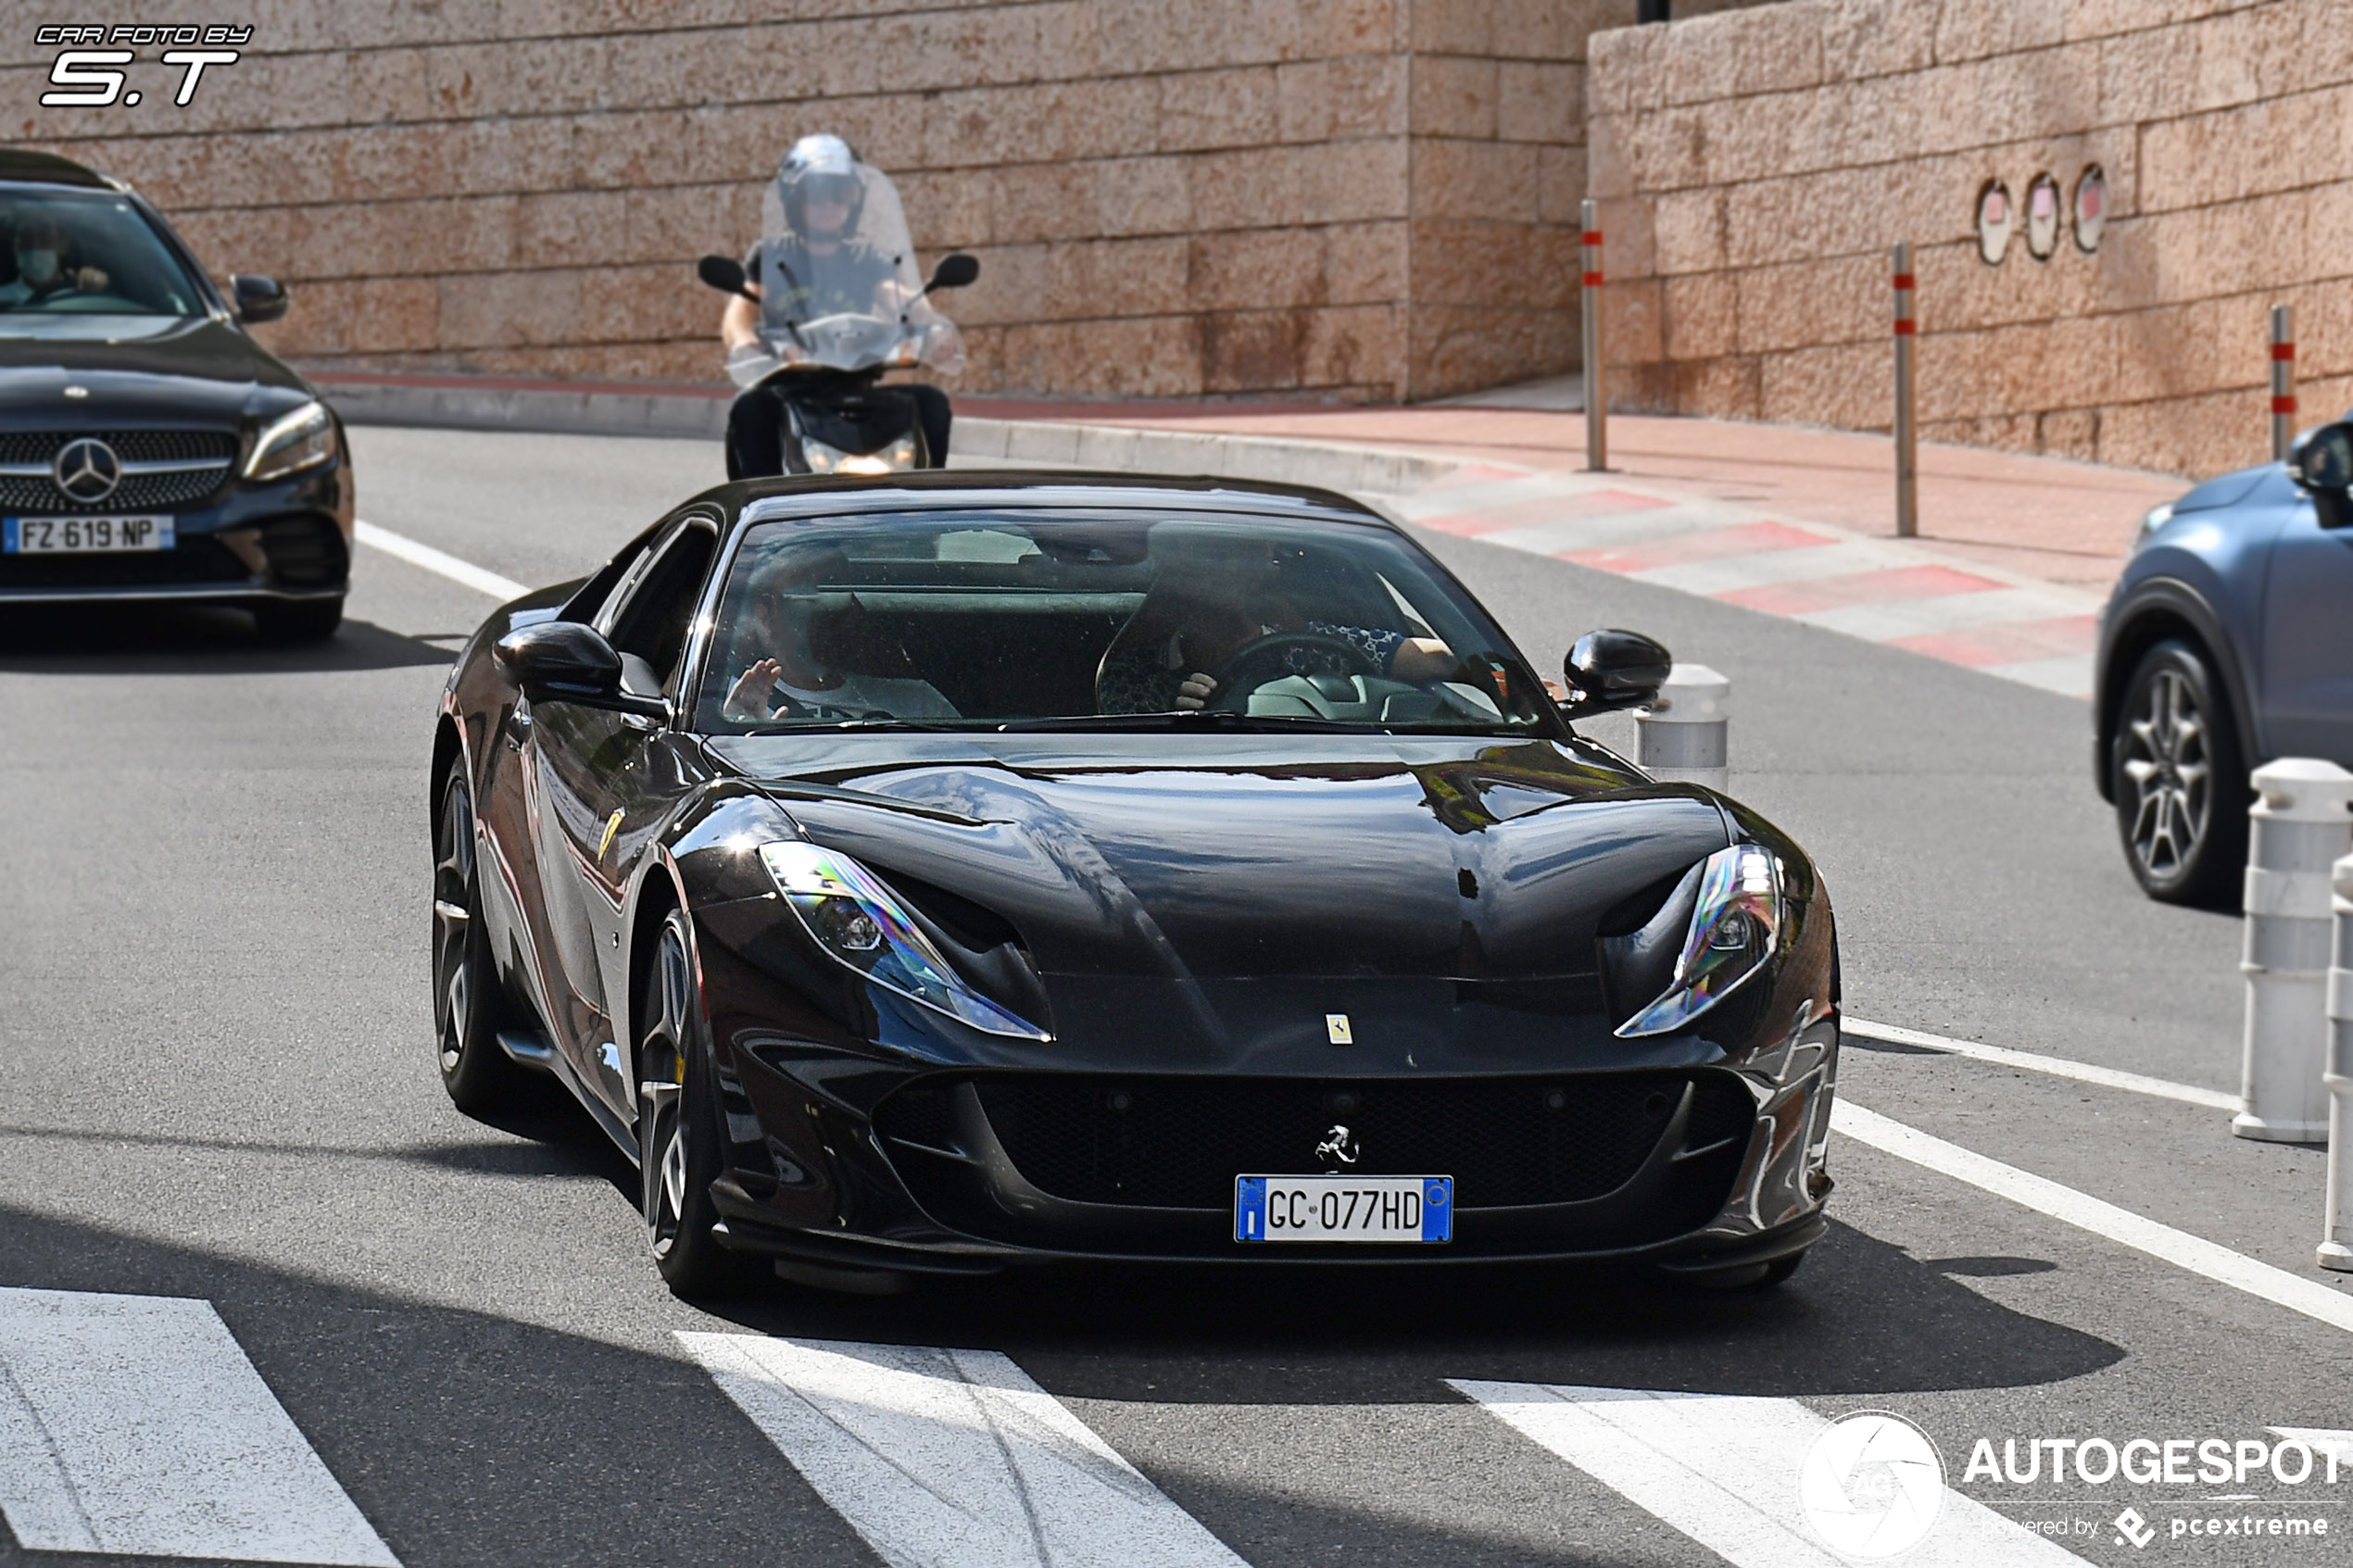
[460, 572]
[2321, 1439]
[135, 1424]
[1723, 1469]
[2209, 1260]
[942, 1457]
[2058, 1066]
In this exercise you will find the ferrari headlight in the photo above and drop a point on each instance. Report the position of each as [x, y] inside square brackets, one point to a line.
[1735, 926]
[302, 439]
[897, 458]
[856, 920]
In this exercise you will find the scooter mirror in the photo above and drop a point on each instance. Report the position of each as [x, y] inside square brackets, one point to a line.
[724, 273]
[955, 272]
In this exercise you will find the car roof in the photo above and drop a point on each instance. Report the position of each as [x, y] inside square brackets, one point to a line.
[808, 495]
[24, 166]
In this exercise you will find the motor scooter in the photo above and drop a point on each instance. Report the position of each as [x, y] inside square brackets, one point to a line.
[832, 321]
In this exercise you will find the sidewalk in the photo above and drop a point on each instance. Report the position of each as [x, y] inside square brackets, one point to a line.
[2055, 521]
[2014, 556]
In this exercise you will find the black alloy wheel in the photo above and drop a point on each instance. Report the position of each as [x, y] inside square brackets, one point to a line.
[467, 998]
[2180, 781]
[306, 620]
[678, 1127]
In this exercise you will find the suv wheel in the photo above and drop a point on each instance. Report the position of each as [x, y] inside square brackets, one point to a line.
[2180, 781]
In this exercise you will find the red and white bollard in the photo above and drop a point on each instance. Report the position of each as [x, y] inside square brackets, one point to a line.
[1596, 399]
[2283, 381]
[1907, 452]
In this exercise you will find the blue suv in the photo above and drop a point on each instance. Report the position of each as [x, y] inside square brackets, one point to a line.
[2228, 641]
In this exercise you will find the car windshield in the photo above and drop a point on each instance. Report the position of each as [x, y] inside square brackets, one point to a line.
[85, 253]
[1061, 619]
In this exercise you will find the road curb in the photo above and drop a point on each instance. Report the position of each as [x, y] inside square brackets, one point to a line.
[700, 413]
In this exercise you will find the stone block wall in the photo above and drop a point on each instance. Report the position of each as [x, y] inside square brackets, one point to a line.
[1757, 167]
[1342, 199]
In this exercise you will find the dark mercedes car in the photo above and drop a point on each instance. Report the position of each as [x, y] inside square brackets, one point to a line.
[150, 450]
[940, 872]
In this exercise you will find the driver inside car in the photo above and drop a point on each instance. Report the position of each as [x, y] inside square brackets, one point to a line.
[47, 264]
[823, 270]
[785, 679]
[1211, 598]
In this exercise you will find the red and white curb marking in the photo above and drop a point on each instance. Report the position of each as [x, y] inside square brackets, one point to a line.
[1999, 623]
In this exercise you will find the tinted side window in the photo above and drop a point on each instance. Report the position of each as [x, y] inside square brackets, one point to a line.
[652, 626]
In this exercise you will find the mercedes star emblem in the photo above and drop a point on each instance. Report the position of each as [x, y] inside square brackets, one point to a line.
[1338, 1145]
[87, 470]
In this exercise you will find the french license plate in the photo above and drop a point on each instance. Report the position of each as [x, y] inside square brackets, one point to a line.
[82, 535]
[1376, 1209]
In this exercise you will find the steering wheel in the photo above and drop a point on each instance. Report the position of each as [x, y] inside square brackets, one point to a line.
[1264, 659]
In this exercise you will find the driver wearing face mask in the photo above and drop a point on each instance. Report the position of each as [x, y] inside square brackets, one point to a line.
[48, 265]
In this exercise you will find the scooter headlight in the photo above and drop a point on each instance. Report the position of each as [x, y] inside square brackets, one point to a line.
[855, 919]
[1736, 925]
[897, 458]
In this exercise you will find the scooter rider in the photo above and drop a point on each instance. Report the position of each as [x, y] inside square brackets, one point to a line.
[824, 268]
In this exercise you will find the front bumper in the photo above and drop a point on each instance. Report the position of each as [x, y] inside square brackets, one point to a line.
[1699, 1168]
[282, 542]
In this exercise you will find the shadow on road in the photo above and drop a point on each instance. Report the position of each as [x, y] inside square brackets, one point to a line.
[190, 640]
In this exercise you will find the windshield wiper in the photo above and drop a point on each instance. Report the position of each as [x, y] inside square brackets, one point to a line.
[1184, 718]
[830, 726]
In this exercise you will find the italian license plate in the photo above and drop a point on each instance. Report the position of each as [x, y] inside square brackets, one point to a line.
[82, 535]
[1376, 1209]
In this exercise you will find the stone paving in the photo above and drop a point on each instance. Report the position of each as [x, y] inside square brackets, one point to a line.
[2014, 558]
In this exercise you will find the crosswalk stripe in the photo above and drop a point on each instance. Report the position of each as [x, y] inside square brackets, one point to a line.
[136, 1424]
[940, 1457]
[1723, 1469]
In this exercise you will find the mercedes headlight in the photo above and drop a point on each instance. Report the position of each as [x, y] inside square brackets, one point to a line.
[856, 920]
[2158, 516]
[1735, 927]
[897, 458]
[302, 439]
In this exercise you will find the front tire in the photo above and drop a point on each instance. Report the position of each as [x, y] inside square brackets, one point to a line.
[678, 1127]
[481, 1079]
[2179, 780]
[307, 621]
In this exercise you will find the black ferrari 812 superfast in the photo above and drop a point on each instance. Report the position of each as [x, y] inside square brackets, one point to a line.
[933, 873]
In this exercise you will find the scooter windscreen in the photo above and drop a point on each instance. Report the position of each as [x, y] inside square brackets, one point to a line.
[839, 287]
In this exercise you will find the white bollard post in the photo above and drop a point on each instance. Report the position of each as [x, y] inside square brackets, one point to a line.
[2336, 1228]
[2301, 826]
[1685, 732]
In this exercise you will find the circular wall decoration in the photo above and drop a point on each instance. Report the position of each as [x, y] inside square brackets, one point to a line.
[1994, 217]
[2090, 207]
[2042, 216]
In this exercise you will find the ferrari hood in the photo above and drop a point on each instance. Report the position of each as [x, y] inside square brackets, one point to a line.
[1212, 858]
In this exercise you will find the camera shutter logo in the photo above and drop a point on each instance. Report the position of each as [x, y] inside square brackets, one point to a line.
[1871, 1485]
[87, 470]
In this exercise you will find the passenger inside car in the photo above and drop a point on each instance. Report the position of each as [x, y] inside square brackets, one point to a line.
[787, 679]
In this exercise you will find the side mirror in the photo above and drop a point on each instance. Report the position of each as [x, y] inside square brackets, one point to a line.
[570, 661]
[259, 299]
[2321, 462]
[726, 275]
[1607, 671]
[955, 270]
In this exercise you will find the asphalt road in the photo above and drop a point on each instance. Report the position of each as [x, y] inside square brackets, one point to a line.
[215, 1083]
